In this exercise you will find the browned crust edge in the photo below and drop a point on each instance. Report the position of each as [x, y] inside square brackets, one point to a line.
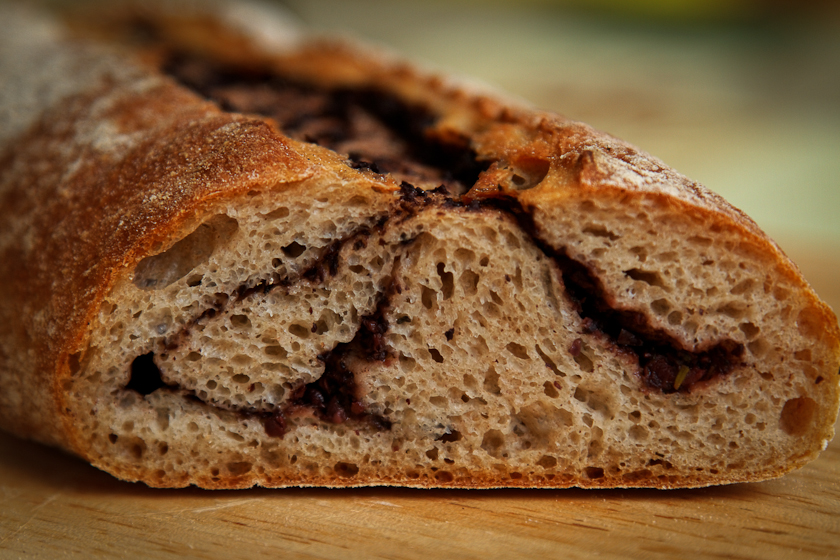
[475, 111]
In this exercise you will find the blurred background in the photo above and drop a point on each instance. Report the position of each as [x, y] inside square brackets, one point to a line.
[740, 95]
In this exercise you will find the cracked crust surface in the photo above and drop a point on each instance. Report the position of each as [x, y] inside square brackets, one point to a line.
[139, 217]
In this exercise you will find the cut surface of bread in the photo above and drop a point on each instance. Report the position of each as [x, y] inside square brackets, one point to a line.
[229, 265]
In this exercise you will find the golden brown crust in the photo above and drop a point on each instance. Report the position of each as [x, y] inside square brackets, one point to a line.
[77, 234]
[122, 167]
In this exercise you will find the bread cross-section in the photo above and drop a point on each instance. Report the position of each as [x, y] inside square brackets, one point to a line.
[226, 265]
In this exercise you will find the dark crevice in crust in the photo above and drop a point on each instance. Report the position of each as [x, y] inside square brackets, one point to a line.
[665, 363]
[334, 397]
[375, 129]
[326, 265]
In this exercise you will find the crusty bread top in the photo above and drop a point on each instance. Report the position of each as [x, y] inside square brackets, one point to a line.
[77, 235]
[90, 120]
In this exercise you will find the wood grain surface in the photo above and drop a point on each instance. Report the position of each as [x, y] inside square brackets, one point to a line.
[736, 138]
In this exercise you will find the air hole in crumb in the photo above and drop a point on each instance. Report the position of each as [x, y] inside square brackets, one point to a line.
[436, 356]
[444, 476]
[281, 212]
[593, 473]
[547, 462]
[491, 381]
[758, 347]
[239, 468]
[145, 375]
[300, 331]
[346, 470]
[742, 287]
[600, 231]
[469, 381]
[137, 449]
[660, 306]
[517, 350]
[640, 252]
[584, 362]
[427, 297]
[733, 309]
[646, 276]
[447, 282]
[660, 463]
[161, 270]
[493, 442]
[469, 282]
[549, 363]
[702, 241]
[278, 351]
[449, 437]
[74, 363]
[293, 249]
[529, 172]
[407, 363]
[797, 415]
[750, 330]
[638, 433]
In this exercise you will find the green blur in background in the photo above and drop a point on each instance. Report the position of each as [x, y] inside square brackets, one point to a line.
[741, 95]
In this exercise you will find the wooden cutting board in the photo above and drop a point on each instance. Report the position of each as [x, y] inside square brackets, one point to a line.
[54, 506]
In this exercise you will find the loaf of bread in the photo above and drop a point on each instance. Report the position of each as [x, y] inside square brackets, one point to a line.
[234, 256]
